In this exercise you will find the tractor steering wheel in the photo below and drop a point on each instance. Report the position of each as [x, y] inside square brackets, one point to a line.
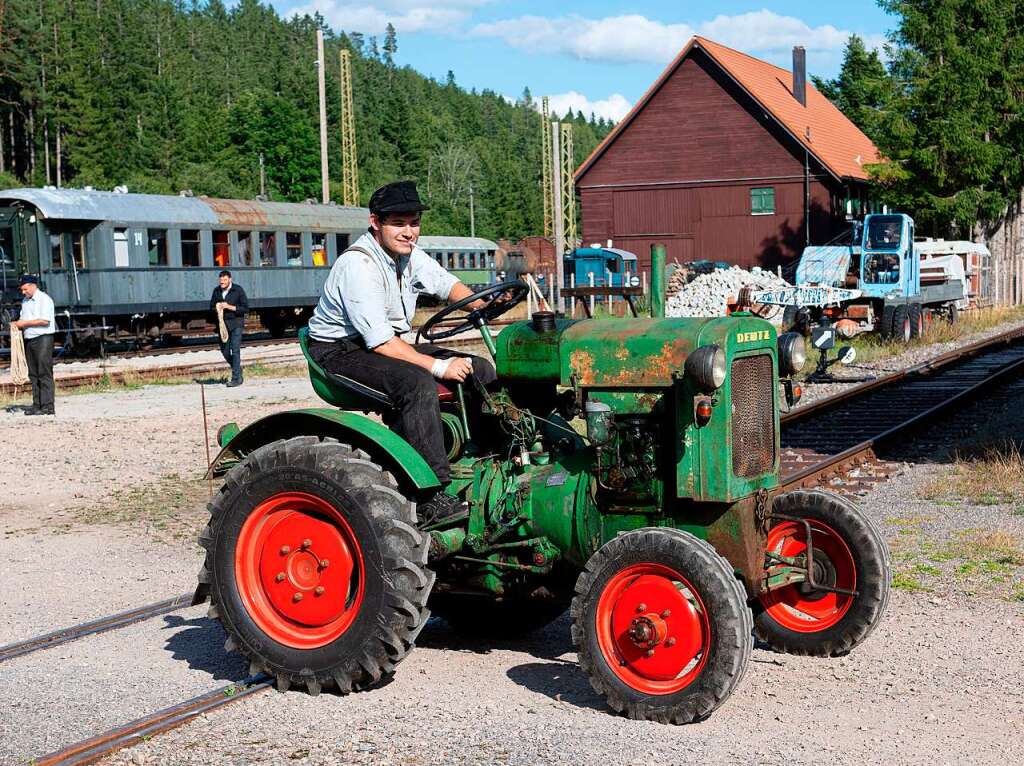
[478, 318]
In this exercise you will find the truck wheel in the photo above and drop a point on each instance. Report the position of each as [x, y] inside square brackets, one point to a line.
[901, 326]
[849, 553]
[885, 328]
[916, 320]
[661, 626]
[954, 313]
[314, 565]
[487, 617]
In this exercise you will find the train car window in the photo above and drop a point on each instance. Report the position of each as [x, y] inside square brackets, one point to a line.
[490, 259]
[293, 247]
[268, 249]
[462, 260]
[190, 248]
[57, 251]
[319, 248]
[245, 248]
[78, 248]
[157, 247]
[471, 258]
[341, 243]
[121, 260]
[222, 249]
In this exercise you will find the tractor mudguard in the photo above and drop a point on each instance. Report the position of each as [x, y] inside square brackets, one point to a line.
[348, 427]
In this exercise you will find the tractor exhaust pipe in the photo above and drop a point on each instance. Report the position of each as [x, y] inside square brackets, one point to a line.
[657, 281]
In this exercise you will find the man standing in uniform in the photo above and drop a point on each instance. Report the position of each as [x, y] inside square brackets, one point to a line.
[38, 325]
[368, 301]
[230, 299]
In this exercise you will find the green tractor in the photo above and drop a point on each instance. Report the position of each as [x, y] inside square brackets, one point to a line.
[625, 470]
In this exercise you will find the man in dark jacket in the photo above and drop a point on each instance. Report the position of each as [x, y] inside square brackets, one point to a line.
[230, 299]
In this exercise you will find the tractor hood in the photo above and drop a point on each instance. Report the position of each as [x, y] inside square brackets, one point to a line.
[621, 353]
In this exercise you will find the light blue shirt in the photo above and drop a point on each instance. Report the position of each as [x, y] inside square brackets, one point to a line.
[362, 295]
[39, 306]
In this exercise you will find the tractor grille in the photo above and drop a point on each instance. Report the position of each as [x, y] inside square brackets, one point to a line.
[753, 416]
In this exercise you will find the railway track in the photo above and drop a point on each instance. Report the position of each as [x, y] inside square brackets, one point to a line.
[834, 439]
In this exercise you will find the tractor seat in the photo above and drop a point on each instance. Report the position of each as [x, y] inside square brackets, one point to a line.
[349, 394]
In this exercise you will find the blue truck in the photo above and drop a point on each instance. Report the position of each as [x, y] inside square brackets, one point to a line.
[883, 280]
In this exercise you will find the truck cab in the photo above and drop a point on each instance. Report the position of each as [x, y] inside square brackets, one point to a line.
[887, 265]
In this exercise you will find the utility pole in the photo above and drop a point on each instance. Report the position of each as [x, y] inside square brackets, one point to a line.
[546, 164]
[263, 177]
[349, 162]
[556, 194]
[321, 81]
[568, 209]
[472, 217]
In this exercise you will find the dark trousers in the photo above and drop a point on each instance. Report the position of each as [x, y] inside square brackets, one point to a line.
[39, 356]
[412, 389]
[232, 350]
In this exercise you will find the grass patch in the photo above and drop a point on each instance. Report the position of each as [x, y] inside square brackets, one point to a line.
[990, 475]
[907, 582]
[171, 508]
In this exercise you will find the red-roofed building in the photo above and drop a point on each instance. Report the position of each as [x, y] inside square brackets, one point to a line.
[726, 158]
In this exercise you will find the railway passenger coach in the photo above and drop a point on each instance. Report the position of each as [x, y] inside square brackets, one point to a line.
[146, 264]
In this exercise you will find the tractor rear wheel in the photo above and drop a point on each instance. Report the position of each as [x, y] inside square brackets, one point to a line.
[849, 553]
[885, 327]
[314, 565]
[916, 320]
[901, 324]
[661, 626]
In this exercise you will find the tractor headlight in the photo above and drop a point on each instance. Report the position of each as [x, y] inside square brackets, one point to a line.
[792, 353]
[706, 367]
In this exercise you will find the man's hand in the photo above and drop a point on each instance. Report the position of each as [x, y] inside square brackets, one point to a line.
[17, 323]
[459, 368]
[220, 305]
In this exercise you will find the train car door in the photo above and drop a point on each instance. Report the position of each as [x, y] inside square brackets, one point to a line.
[15, 257]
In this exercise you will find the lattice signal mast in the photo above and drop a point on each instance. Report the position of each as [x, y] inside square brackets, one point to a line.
[547, 165]
[568, 211]
[349, 163]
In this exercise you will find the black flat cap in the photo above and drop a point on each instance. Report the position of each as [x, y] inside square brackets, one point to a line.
[28, 279]
[397, 197]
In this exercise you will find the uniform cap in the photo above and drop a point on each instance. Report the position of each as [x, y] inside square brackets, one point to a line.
[397, 197]
[28, 279]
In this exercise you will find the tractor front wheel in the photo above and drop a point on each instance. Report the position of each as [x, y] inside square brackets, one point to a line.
[314, 565]
[849, 554]
[661, 626]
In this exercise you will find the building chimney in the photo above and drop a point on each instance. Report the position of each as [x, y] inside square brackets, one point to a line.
[800, 74]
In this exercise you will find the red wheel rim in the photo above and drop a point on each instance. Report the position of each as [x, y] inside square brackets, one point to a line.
[653, 629]
[299, 570]
[797, 607]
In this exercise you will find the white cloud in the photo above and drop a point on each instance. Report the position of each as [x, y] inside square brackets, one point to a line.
[615, 107]
[636, 38]
[405, 15]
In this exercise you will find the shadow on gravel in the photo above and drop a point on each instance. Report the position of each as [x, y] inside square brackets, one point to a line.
[550, 643]
[560, 680]
[211, 381]
[201, 645]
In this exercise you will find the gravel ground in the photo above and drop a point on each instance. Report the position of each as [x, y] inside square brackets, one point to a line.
[938, 682]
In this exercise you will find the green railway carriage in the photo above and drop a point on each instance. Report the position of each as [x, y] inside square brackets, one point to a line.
[143, 263]
[471, 259]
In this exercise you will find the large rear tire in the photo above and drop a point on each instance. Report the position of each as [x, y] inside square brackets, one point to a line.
[885, 328]
[901, 324]
[661, 626]
[314, 565]
[916, 320]
[849, 553]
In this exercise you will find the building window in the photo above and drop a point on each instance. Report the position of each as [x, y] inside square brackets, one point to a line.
[319, 248]
[121, 248]
[190, 248]
[157, 247]
[245, 248]
[762, 201]
[341, 243]
[293, 247]
[221, 249]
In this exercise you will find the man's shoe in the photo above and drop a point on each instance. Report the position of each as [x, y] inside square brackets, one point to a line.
[48, 411]
[33, 411]
[233, 383]
[439, 506]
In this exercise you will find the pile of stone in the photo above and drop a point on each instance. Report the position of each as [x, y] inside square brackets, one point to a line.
[707, 295]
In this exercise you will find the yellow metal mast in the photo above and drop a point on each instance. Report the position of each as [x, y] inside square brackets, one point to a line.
[547, 165]
[349, 163]
[568, 211]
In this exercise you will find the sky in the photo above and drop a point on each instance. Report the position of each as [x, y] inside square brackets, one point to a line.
[599, 56]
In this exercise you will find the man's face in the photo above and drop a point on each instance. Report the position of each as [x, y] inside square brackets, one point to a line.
[225, 283]
[396, 232]
[29, 289]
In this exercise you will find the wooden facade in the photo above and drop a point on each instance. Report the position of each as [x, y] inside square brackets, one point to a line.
[689, 167]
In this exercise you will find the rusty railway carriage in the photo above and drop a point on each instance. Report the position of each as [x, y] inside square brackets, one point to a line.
[143, 263]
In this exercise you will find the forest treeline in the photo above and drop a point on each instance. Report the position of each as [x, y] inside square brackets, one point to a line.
[167, 95]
